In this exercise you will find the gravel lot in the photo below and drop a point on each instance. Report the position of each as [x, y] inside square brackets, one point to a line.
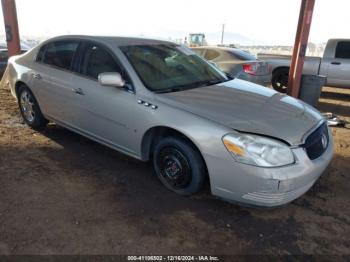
[63, 194]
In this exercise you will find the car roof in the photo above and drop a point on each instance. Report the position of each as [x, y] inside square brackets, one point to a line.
[120, 41]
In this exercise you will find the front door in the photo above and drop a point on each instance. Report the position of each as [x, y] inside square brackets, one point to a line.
[338, 68]
[104, 112]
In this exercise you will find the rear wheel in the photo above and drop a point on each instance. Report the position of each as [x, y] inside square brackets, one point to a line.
[179, 166]
[279, 80]
[29, 108]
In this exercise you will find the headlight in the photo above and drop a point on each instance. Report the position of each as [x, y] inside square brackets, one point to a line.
[258, 150]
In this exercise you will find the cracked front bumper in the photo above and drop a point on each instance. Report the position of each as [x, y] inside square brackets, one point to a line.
[267, 187]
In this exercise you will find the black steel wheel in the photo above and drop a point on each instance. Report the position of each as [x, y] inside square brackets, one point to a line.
[279, 80]
[179, 166]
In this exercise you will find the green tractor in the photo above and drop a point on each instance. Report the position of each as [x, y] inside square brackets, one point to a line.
[196, 40]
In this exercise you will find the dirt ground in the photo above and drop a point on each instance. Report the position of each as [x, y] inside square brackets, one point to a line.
[63, 194]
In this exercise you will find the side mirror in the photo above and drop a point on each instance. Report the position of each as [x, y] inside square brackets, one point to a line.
[111, 79]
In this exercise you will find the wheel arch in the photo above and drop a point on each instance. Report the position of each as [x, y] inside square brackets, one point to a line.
[152, 135]
[18, 84]
[280, 68]
[155, 133]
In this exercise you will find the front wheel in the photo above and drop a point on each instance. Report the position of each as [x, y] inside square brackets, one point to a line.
[30, 109]
[179, 166]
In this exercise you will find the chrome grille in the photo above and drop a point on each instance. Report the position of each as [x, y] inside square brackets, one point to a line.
[317, 142]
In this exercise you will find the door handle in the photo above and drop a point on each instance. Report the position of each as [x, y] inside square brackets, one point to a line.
[37, 76]
[336, 63]
[78, 91]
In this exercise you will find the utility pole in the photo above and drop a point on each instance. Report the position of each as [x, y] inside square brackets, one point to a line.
[11, 27]
[300, 45]
[222, 34]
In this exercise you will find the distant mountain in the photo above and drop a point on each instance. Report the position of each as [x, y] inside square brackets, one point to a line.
[213, 38]
[231, 38]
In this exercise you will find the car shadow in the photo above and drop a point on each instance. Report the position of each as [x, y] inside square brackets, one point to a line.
[137, 190]
[106, 189]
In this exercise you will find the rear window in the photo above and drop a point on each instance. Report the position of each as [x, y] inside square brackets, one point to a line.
[40, 56]
[211, 54]
[242, 55]
[343, 50]
[60, 54]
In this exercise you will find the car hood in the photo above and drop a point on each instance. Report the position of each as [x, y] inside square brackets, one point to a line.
[248, 107]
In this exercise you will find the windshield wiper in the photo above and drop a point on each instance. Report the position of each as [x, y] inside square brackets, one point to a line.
[169, 90]
[190, 86]
[206, 83]
[211, 82]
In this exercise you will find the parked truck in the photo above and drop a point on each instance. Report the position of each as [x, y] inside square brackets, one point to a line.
[335, 65]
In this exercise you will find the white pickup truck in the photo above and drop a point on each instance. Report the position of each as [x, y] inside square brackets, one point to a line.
[335, 65]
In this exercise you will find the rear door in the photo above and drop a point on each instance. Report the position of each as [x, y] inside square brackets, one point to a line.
[53, 80]
[337, 69]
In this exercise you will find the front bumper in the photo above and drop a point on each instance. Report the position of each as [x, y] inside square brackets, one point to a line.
[266, 187]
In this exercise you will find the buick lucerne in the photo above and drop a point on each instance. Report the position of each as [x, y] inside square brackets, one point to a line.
[159, 101]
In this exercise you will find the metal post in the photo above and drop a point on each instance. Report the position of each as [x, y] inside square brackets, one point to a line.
[222, 34]
[11, 27]
[300, 46]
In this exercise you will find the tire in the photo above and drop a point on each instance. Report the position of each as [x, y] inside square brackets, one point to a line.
[279, 80]
[179, 166]
[30, 109]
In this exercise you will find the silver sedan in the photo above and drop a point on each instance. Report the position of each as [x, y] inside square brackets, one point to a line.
[237, 63]
[158, 101]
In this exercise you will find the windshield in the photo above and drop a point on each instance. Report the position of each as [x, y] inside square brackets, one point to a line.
[170, 68]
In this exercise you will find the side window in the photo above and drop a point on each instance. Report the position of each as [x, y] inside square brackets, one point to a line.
[60, 54]
[97, 61]
[211, 54]
[343, 50]
[40, 56]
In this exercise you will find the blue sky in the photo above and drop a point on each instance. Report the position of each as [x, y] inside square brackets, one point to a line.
[261, 21]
